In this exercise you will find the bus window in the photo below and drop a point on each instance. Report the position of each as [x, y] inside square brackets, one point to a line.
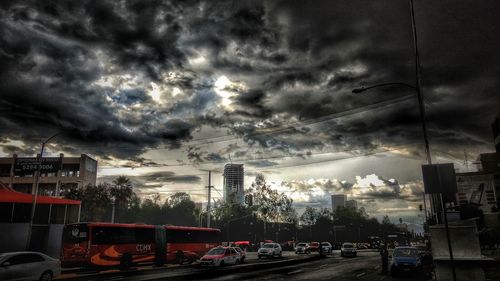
[75, 233]
[145, 235]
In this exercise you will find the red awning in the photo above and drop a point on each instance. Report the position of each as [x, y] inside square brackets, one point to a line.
[7, 196]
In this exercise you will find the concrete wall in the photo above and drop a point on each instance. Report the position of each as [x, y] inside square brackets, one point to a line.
[464, 240]
[463, 271]
[54, 240]
[13, 236]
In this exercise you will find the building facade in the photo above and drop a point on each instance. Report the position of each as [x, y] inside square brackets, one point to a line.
[352, 204]
[496, 132]
[234, 188]
[51, 214]
[338, 200]
[57, 173]
[477, 188]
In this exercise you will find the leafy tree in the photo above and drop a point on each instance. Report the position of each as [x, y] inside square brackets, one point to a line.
[270, 205]
[122, 191]
[182, 209]
[95, 201]
[310, 216]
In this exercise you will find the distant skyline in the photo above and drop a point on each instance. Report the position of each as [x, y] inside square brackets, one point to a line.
[164, 91]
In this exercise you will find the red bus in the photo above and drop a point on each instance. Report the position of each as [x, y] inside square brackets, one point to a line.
[123, 245]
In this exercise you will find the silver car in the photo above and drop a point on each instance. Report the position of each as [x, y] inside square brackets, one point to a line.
[269, 250]
[28, 266]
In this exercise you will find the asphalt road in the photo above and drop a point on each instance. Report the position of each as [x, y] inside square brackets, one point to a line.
[151, 273]
[366, 266]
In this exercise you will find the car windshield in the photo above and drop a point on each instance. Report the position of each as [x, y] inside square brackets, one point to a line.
[301, 245]
[325, 244]
[348, 246]
[268, 246]
[216, 251]
[238, 249]
[405, 252]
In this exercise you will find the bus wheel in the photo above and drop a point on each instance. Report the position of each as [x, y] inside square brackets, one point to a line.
[179, 257]
[126, 261]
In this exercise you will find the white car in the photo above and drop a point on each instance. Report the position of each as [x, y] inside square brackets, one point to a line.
[326, 247]
[302, 248]
[28, 266]
[270, 250]
[348, 250]
[221, 256]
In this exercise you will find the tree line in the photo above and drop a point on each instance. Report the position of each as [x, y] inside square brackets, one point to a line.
[268, 215]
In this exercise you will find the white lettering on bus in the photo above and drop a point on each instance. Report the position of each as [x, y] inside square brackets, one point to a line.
[143, 247]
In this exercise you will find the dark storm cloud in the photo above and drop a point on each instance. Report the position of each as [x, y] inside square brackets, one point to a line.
[49, 65]
[298, 62]
[156, 179]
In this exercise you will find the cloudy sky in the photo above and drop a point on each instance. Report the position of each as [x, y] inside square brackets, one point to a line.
[164, 91]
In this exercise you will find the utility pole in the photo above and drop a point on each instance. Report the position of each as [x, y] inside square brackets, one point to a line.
[466, 161]
[209, 196]
[34, 191]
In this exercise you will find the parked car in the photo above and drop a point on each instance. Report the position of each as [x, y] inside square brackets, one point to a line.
[326, 247]
[28, 266]
[221, 256]
[314, 247]
[269, 250]
[405, 259]
[348, 250]
[302, 248]
[363, 246]
[242, 253]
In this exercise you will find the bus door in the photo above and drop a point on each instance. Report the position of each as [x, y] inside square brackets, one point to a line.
[160, 245]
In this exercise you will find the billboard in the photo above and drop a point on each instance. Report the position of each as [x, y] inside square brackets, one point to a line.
[29, 165]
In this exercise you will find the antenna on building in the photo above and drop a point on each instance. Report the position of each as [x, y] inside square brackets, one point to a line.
[230, 161]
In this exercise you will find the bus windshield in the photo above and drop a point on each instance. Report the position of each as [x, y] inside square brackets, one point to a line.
[75, 233]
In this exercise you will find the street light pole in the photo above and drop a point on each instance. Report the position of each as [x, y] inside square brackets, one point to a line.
[435, 199]
[35, 191]
[113, 202]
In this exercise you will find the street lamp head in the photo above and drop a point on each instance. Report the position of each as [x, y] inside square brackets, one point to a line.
[358, 90]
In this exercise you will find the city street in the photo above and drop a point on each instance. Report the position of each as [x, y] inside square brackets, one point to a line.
[364, 267]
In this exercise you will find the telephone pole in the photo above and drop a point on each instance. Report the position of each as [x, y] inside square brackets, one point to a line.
[209, 196]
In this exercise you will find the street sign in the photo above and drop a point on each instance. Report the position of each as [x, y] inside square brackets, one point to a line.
[440, 178]
[29, 165]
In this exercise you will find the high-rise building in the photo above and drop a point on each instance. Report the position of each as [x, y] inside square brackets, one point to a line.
[233, 183]
[352, 203]
[338, 200]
